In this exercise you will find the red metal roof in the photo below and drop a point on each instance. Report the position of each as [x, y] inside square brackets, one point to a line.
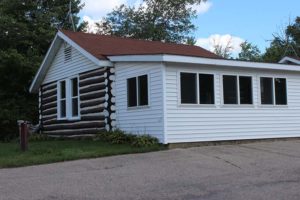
[102, 46]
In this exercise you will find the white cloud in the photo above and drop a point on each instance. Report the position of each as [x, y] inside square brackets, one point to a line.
[96, 9]
[203, 7]
[223, 40]
[92, 28]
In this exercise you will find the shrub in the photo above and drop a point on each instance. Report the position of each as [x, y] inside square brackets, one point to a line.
[144, 141]
[120, 137]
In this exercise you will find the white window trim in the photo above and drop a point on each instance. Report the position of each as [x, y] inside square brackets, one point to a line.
[68, 99]
[238, 91]
[137, 92]
[274, 97]
[197, 90]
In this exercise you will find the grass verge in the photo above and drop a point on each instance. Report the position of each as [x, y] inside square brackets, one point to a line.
[42, 152]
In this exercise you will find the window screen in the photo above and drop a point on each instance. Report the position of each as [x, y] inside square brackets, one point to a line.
[230, 89]
[143, 90]
[280, 91]
[206, 88]
[132, 92]
[75, 97]
[245, 84]
[62, 99]
[188, 88]
[266, 90]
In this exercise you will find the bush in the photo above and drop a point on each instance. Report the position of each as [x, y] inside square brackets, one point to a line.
[144, 141]
[120, 137]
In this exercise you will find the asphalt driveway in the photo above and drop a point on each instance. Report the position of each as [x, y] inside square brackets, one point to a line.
[265, 170]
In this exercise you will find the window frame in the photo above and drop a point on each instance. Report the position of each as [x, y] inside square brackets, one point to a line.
[238, 90]
[68, 98]
[197, 89]
[274, 95]
[137, 91]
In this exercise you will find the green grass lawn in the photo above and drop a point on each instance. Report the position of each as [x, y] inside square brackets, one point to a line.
[41, 152]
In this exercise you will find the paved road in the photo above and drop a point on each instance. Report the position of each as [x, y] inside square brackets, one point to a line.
[268, 170]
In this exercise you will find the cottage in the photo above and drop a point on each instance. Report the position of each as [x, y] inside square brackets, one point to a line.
[177, 93]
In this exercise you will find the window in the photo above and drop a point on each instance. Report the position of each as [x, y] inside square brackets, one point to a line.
[206, 89]
[230, 90]
[75, 97]
[280, 91]
[266, 90]
[68, 99]
[62, 99]
[245, 83]
[197, 88]
[137, 91]
[237, 89]
[188, 88]
[273, 91]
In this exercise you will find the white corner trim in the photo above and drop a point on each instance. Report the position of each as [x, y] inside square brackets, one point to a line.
[289, 59]
[204, 61]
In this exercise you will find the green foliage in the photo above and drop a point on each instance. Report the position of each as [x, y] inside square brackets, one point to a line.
[26, 31]
[156, 20]
[249, 52]
[287, 44]
[120, 137]
[144, 141]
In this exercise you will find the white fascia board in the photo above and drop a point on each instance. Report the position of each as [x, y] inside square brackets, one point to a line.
[289, 59]
[98, 62]
[204, 61]
[43, 67]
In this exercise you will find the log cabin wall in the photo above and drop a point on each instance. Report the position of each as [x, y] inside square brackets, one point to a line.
[97, 107]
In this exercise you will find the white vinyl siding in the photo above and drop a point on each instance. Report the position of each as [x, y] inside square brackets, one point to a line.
[146, 119]
[192, 123]
[60, 69]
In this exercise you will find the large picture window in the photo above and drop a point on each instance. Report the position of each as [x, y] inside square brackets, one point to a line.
[197, 88]
[137, 91]
[237, 89]
[68, 99]
[273, 91]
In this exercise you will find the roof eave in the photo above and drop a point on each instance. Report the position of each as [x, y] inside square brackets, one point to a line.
[204, 61]
[289, 59]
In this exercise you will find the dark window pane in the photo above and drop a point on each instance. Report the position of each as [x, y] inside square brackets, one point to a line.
[63, 108]
[206, 89]
[230, 89]
[75, 107]
[143, 90]
[188, 88]
[131, 92]
[63, 89]
[74, 87]
[245, 90]
[266, 90]
[280, 91]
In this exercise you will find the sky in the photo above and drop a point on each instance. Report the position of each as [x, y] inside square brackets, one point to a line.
[220, 21]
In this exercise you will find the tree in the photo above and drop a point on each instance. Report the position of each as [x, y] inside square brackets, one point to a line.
[249, 52]
[26, 31]
[221, 49]
[285, 43]
[157, 20]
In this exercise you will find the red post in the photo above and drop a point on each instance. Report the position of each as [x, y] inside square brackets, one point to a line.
[24, 136]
